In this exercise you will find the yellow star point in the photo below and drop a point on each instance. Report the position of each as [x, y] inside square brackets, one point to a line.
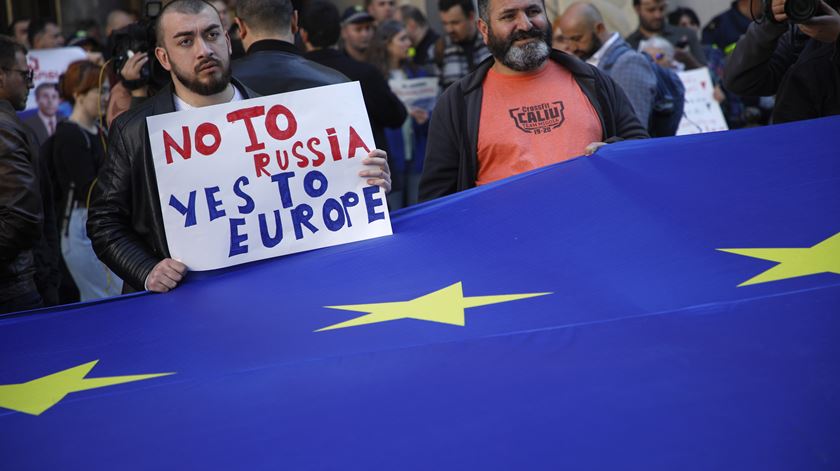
[445, 306]
[36, 396]
[795, 262]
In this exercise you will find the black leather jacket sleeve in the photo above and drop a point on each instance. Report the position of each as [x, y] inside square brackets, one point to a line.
[21, 213]
[109, 216]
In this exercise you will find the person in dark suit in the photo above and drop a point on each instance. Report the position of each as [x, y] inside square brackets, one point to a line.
[44, 122]
[272, 63]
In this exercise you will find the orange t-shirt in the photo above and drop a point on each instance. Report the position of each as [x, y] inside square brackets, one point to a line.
[530, 121]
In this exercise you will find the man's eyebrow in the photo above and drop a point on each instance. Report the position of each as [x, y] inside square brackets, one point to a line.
[514, 10]
[182, 33]
[190, 33]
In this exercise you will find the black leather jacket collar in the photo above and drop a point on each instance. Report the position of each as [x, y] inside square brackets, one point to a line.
[273, 45]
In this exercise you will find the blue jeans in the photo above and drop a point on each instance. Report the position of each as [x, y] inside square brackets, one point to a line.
[93, 278]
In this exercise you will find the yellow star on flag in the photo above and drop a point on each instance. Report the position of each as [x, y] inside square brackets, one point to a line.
[445, 306]
[794, 262]
[36, 396]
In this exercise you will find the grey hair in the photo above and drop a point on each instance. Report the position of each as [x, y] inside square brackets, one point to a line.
[658, 42]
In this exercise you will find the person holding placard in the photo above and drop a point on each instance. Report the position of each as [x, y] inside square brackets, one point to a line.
[389, 53]
[125, 221]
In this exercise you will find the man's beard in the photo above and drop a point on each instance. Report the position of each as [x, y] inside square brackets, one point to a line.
[213, 86]
[527, 57]
[595, 45]
[652, 26]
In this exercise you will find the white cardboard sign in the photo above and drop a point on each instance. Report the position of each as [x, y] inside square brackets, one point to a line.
[417, 92]
[702, 113]
[268, 176]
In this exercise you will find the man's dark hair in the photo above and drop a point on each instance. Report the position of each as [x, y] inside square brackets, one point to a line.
[11, 30]
[38, 26]
[266, 16]
[45, 85]
[189, 7]
[8, 48]
[675, 16]
[410, 12]
[484, 9]
[322, 23]
[466, 5]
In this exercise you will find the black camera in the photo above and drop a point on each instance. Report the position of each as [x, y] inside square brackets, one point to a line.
[797, 11]
[132, 39]
[136, 38]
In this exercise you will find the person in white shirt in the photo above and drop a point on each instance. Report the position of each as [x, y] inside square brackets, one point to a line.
[43, 122]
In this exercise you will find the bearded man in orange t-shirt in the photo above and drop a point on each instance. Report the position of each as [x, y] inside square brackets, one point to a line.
[524, 107]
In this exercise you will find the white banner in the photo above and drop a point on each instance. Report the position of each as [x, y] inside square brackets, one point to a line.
[417, 92]
[268, 176]
[49, 64]
[702, 112]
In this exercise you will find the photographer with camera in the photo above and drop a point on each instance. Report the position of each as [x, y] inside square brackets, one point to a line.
[137, 75]
[791, 52]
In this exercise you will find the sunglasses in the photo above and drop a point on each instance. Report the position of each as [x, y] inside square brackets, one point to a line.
[27, 74]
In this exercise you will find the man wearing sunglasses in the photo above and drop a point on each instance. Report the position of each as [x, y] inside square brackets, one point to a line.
[21, 210]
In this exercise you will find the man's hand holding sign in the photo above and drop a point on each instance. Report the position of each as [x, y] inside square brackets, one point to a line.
[231, 178]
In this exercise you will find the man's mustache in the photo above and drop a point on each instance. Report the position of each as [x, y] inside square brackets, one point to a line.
[205, 62]
[531, 33]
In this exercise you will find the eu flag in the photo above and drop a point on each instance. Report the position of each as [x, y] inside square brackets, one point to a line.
[664, 304]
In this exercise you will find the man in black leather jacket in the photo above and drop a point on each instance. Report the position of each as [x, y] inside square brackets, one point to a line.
[124, 219]
[21, 209]
[273, 64]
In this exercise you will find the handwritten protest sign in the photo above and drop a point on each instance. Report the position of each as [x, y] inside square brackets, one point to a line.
[268, 176]
[48, 65]
[702, 112]
[417, 92]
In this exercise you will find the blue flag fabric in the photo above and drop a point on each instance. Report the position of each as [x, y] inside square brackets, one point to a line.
[581, 316]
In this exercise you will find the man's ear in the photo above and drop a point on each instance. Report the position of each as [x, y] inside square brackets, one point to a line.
[163, 58]
[243, 30]
[483, 29]
[294, 21]
[599, 29]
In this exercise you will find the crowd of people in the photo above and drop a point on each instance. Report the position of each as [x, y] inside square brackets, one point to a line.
[80, 217]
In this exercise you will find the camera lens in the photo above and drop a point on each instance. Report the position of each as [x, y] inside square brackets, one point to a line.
[798, 11]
